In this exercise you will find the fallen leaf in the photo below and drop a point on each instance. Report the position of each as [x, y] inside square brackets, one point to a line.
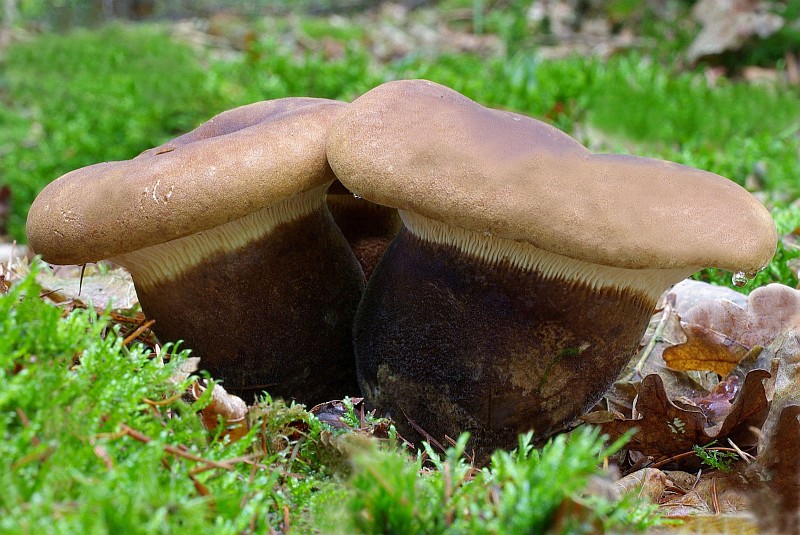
[712, 493]
[227, 408]
[666, 429]
[717, 404]
[689, 293]
[785, 466]
[784, 353]
[333, 413]
[719, 333]
[729, 24]
[712, 329]
[108, 288]
[780, 468]
[649, 483]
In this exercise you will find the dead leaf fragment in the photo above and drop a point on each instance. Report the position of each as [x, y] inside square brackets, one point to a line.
[666, 429]
[710, 493]
[729, 24]
[648, 483]
[334, 413]
[111, 288]
[719, 333]
[781, 469]
[232, 410]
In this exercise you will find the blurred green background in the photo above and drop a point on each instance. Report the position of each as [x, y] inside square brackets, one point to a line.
[89, 81]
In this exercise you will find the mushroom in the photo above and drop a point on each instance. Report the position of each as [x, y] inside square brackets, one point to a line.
[527, 267]
[368, 227]
[230, 245]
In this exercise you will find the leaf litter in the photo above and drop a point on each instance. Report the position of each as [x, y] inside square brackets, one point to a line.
[718, 380]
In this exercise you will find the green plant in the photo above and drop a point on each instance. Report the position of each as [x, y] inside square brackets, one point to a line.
[95, 437]
[715, 457]
[520, 491]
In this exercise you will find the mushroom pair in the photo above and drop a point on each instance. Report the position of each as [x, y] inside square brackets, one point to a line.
[230, 245]
[519, 285]
[527, 267]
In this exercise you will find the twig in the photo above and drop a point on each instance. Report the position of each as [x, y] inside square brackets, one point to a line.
[286, 524]
[80, 281]
[168, 401]
[714, 496]
[139, 330]
[26, 423]
[174, 450]
[689, 454]
[654, 339]
[743, 454]
[424, 433]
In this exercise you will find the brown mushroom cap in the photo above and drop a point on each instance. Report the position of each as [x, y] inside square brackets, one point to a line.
[424, 148]
[232, 166]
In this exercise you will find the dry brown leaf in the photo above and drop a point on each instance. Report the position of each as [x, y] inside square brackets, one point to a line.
[778, 462]
[780, 468]
[689, 293]
[112, 288]
[719, 333]
[231, 409]
[712, 331]
[648, 483]
[711, 493]
[334, 413]
[666, 429]
[785, 355]
[729, 24]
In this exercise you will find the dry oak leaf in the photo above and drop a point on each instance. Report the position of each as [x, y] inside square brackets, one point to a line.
[784, 470]
[666, 429]
[719, 333]
[334, 413]
[777, 468]
[780, 469]
[648, 483]
[712, 493]
[112, 288]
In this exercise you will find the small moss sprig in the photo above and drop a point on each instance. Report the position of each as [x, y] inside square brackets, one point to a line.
[716, 458]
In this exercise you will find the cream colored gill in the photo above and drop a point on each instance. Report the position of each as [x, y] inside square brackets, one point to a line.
[494, 250]
[166, 261]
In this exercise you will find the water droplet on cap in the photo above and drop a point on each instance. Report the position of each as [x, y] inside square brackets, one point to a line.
[739, 279]
[356, 196]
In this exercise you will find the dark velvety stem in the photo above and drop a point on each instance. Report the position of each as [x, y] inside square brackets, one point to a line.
[275, 316]
[368, 227]
[457, 345]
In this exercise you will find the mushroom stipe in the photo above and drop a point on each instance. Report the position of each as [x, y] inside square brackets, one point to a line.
[274, 316]
[499, 349]
[368, 227]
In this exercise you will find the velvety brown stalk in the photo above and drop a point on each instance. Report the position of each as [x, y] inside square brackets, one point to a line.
[275, 315]
[457, 345]
[368, 227]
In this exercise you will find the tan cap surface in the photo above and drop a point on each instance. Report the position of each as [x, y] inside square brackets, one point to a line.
[236, 163]
[422, 147]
